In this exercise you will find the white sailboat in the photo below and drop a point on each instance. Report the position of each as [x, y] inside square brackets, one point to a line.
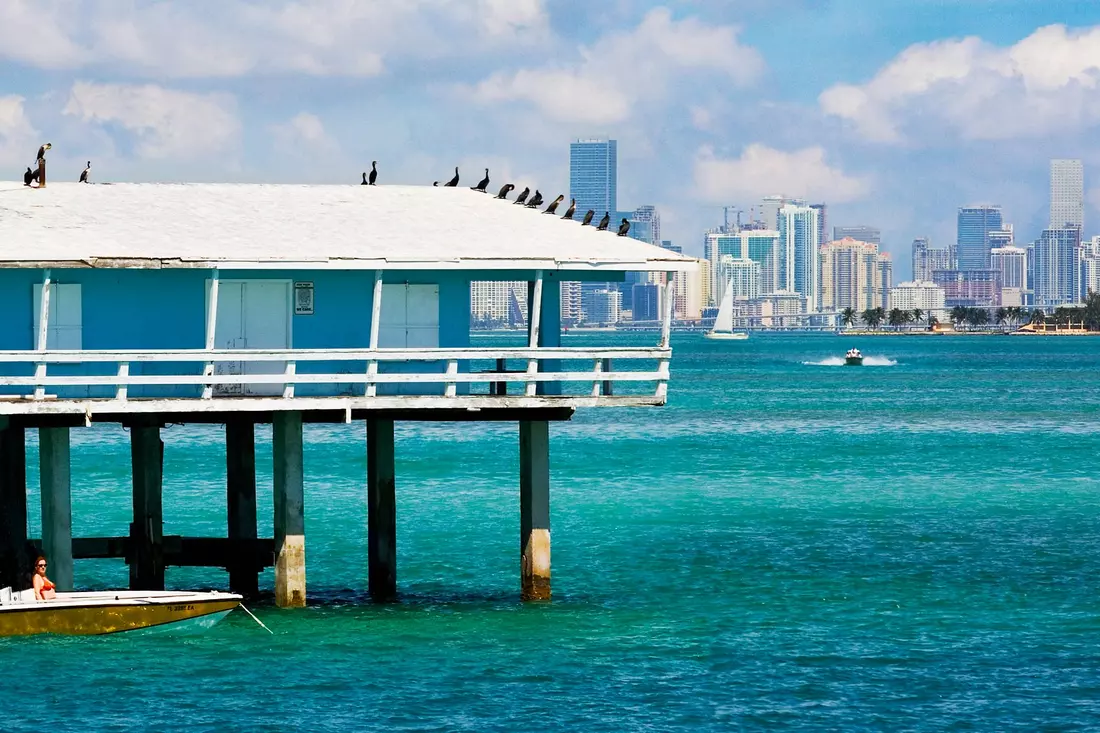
[723, 324]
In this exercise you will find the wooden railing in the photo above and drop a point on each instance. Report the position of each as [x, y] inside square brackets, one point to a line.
[277, 373]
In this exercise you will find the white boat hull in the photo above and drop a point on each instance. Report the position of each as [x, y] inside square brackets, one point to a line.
[719, 336]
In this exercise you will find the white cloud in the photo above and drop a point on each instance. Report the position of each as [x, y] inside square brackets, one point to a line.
[166, 123]
[17, 136]
[626, 67]
[1045, 83]
[761, 171]
[319, 37]
[304, 134]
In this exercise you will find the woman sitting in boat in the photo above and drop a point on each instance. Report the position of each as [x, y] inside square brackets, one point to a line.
[44, 589]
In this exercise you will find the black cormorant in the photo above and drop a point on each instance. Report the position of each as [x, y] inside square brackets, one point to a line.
[571, 210]
[28, 177]
[483, 184]
[604, 222]
[505, 190]
[624, 228]
[536, 200]
[373, 173]
[588, 218]
[84, 173]
[453, 182]
[553, 207]
[523, 195]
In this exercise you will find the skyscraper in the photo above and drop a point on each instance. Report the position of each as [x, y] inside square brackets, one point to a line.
[1058, 267]
[849, 275]
[975, 224]
[1067, 194]
[822, 227]
[860, 234]
[594, 175]
[800, 259]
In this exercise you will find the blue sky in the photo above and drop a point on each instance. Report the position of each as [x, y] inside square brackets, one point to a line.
[894, 113]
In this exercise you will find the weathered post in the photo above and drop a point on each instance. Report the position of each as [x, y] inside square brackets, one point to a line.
[57, 512]
[534, 508]
[290, 526]
[381, 511]
[146, 554]
[42, 165]
[240, 465]
[15, 564]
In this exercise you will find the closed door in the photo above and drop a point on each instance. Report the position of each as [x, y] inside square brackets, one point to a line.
[253, 314]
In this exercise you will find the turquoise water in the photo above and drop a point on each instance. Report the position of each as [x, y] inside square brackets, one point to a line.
[787, 546]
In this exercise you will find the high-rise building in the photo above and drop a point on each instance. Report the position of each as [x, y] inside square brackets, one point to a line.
[850, 275]
[927, 259]
[1067, 194]
[594, 175]
[975, 224]
[759, 245]
[645, 223]
[799, 252]
[1011, 262]
[885, 267]
[602, 307]
[769, 211]
[498, 303]
[667, 244]
[1004, 237]
[1058, 267]
[572, 308]
[822, 226]
[873, 235]
[927, 296]
[647, 302]
[687, 289]
[740, 274]
[970, 288]
[1090, 266]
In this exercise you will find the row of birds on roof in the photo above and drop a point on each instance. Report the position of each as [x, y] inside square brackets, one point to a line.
[524, 198]
[34, 176]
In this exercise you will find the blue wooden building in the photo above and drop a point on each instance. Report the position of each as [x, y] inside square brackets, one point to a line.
[144, 304]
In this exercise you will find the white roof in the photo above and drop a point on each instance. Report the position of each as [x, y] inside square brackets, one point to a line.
[236, 226]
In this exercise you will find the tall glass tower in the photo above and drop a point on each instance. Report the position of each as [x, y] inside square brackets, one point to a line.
[975, 224]
[594, 176]
[800, 263]
[1067, 194]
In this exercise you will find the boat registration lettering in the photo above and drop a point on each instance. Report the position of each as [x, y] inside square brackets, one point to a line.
[181, 608]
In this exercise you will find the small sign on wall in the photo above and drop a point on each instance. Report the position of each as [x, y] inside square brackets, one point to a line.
[303, 298]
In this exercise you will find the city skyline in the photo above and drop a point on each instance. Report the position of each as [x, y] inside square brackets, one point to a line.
[312, 92]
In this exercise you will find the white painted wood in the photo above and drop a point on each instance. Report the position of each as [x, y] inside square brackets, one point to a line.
[372, 374]
[44, 312]
[288, 385]
[669, 304]
[452, 378]
[212, 308]
[599, 372]
[375, 329]
[253, 314]
[534, 321]
[409, 317]
[39, 381]
[123, 377]
[88, 408]
[63, 322]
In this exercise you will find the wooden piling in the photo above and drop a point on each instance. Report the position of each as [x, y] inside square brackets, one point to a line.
[534, 503]
[147, 529]
[240, 465]
[15, 562]
[381, 511]
[57, 513]
[290, 531]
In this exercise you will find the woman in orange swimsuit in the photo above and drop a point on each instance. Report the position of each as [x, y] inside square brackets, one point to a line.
[44, 589]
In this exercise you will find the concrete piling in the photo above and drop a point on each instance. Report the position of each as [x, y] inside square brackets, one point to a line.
[240, 465]
[147, 529]
[290, 531]
[381, 511]
[534, 502]
[15, 562]
[57, 512]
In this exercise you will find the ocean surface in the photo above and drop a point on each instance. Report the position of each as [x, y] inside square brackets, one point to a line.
[788, 545]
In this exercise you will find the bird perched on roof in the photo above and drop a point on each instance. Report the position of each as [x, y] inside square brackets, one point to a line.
[506, 189]
[373, 173]
[453, 182]
[553, 207]
[28, 177]
[42, 151]
[523, 195]
[588, 218]
[571, 210]
[535, 201]
[604, 221]
[624, 228]
[364, 183]
[84, 173]
[483, 184]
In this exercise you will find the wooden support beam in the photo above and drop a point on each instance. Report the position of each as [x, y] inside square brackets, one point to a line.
[375, 329]
[381, 511]
[534, 321]
[534, 509]
[290, 526]
[15, 563]
[208, 552]
[147, 530]
[240, 469]
[57, 512]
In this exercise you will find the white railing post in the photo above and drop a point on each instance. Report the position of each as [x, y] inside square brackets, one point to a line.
[452, 372]
[121, 390]
[666, 334]
[534, 318]
[43, 336]
[211, 330]
[375, 326]
[288, 387]
[596, 384]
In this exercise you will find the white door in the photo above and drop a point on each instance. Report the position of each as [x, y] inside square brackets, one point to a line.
[253, 314]
[410, 320]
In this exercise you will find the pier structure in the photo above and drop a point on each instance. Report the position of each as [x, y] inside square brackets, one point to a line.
[145, 305]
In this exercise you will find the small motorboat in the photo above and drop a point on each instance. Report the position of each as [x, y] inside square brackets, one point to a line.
[109, 612]
[853, 358]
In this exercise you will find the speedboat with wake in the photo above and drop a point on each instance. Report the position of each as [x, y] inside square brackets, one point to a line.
[853, 358]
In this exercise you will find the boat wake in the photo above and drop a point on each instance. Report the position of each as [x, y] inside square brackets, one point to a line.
[839, 361]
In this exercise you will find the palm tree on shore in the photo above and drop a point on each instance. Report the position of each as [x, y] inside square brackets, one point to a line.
[959, 315]
[848, 317]
[1001, 317]
[1037, 316]
[918, 315]
[872, 317]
